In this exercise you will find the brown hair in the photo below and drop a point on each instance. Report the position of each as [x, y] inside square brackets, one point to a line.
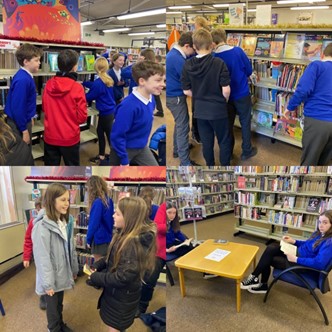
[328, 234]
[136, 223]
[116, 56]
[54, 191]
[175, 223]
[328, 50]
[202, 22]
[148, 54]
[146, 69]
[27, 52]
[219, 36]
[6, 137]
[147, 194]
[97, 188]
[202, 39]
[101, 67]
[186, 38]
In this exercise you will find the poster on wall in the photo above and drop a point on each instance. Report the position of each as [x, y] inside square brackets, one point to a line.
[305, 18]
[263, 14]
[236, 14]
[44, 20]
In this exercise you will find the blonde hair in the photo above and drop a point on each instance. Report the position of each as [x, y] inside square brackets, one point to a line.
[136, 223]
[202, 39]
[202, 22]
[219, 36]
[97, 188]
[101, 67]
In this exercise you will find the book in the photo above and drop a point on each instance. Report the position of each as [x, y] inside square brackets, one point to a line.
[249, 44]
[312, 47]
[288, 248]
[217, 255]
[263, 46]
[263, 119]
[313, 204]
[53, 61]
[289, 127]
[325, 43]
[87, 269]
[241, 182]
[80, 64]
[289, 202]
[329, 187]
[294, 45]
[277, 46]
[186, 242]
[234, 39]
[90, 62]
[36, 194]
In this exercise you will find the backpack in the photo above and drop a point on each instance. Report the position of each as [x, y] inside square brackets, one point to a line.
[158, 145]
[156, 320]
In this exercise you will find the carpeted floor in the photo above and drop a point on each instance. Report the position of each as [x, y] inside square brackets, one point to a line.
[80, 306]
[210, 305]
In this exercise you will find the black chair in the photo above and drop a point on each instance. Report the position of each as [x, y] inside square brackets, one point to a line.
[169, 258]
[305, 277]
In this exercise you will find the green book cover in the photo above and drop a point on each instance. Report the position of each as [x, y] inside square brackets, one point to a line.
[90, 61]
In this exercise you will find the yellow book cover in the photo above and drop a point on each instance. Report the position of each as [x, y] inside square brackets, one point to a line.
[294, 45]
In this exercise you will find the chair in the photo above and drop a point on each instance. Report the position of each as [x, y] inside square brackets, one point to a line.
[170, 257]
[2, 309]
[305, 277]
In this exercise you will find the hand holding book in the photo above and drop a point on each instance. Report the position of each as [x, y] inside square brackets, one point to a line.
[88, 270]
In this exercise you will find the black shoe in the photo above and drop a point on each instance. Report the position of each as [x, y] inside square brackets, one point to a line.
[107, 156]
[66, 328]
[250, 281]
[42, 302]
[260, 289]
[252, 153]
[161, 114]
[95, 160]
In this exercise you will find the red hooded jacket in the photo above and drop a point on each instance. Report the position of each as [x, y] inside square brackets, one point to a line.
[160, 220]
[65, 108]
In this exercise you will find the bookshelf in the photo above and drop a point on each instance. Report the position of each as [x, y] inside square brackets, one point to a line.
[277, 69]
[8, 68]
[214, 188]
[275, 200]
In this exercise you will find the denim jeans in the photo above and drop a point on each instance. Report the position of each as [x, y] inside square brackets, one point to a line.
[208, 129]
[179, 109]
[242, 107]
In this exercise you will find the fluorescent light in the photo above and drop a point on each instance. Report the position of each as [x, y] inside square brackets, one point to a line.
[284, 2]
[172, 13]
[161, 25]
[206, 11]
[221, 5]
[117, 30]
[86, 23]
[309, 7]
[140, 33]
[180, 7]
[251, 10]
[142, 14]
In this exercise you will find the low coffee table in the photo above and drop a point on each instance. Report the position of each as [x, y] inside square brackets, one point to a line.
[233, 266]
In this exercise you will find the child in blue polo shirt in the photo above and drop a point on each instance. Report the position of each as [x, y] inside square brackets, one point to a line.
[134, 117]
[21, 100]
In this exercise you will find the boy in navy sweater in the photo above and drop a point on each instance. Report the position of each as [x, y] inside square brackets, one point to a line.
[207, 79]
[134, 117]
[240, 69]
[21, 101]
[315, 90]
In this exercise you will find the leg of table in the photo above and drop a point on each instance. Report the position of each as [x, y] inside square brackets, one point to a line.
[238, 295]
[182, 286]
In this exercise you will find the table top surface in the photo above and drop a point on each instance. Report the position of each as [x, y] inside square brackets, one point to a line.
[234, 265]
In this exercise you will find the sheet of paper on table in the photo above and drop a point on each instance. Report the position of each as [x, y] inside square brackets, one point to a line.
[217, 255]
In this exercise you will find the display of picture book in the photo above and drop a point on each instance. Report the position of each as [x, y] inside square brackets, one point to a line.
[53, 61]
[312, 47]
[80, 64]
[263, 46]
[89, 61]
[294, 45]
[263, 119]
[249, 44]
[234, 39]
[277, 46]
[289, 127]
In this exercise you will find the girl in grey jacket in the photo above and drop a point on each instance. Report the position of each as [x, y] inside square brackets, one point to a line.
[54, 254]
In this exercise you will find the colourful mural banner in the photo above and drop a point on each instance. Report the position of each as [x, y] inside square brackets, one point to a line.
[57, 20]
[135, 173]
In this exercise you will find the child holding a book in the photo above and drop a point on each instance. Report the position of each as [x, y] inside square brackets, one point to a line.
[206, 78]
[134, 117]
[115, 72]
[314, 252]
[100, 227]
[55, 255]
[177, 243]
[131, 254]
[101, 90]
[21, 101]
[65, 108]
[315, 91]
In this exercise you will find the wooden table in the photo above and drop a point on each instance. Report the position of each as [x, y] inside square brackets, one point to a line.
[233, 266]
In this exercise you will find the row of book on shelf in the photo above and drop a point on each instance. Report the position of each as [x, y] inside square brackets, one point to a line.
[85, 258]
[288, 183]
[290, 45]
[283, 169]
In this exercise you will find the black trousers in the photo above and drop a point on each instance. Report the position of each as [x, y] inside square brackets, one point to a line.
[104, 127]
[159, 105]
[149, 284]
[272, 256]
[53, 154]
[54, 311]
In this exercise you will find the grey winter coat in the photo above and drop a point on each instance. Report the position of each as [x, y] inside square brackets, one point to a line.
[55, 257]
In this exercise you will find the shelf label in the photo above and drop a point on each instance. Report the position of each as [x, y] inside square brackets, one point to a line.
[9, 44]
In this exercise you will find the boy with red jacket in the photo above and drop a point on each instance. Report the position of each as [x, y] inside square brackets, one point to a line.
[65, 108]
